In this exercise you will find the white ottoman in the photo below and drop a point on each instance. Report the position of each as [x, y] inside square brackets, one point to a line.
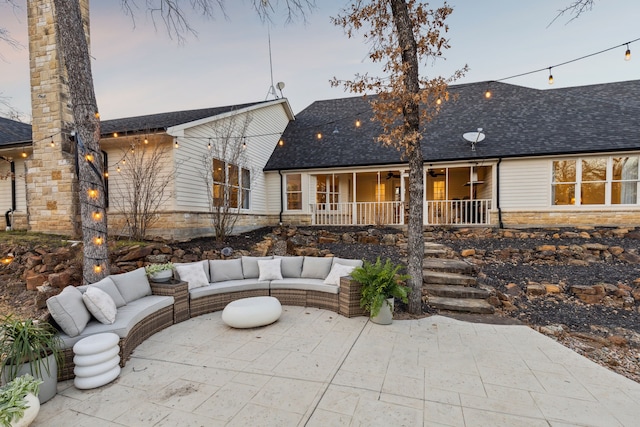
[97, 360]
[252, 312]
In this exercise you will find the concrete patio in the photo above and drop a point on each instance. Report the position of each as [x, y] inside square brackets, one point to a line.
[316, 368]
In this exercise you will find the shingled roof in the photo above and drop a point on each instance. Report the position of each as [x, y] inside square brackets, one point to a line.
[517, 122]
[13, 132]
[162, 121]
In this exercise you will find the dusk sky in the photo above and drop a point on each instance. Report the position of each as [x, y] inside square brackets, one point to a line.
[141, 70]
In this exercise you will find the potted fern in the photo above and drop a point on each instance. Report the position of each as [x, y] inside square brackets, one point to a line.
[30, 347]
[381, 283]
[19, 405]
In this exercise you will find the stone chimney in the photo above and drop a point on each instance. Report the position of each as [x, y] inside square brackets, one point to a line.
[51, 179]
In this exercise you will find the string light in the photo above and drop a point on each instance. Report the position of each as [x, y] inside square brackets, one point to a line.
[118, 169]
[281, 143]
[115, 134]
[176, 144]
[319, 135]
[53, 144]
[97, 268]
[93, 193]
[550, 76]
[627, 54]
[24, 153]
[438, 101]
[146, 141]
[98, 240]
[244, 144]
[89, 157]
[209, 144]
[97, 115]
[97, 216]
[358, 123]
[106, 174]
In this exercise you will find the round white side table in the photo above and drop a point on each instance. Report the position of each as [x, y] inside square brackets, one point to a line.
[96, 360]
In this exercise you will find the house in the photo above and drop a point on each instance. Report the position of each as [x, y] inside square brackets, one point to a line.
[231, 138]
[561, 157]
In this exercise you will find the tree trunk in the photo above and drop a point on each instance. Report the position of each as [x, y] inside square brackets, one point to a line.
[72, 42]
[411, 111]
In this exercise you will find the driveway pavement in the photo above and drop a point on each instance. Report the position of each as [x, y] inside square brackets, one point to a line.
[316, 368]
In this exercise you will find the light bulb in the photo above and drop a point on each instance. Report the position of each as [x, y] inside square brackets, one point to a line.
[550, 77]
[24, 153]
[115, 134]
[319, 135]
[244, 145]
[97, 216]
[280, 143]
[93, 193]
[627, 54]
[106, 174]
[358, 123]
[89, 157]
[97, 115]
[97, 268]
[118, 169]
[209, 145]
[487, 94]
[98, 240]
[438, 101]
[176, 144]
[53, 144]
[146, 141]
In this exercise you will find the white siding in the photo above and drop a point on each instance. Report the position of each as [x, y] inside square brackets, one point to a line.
[273, 193]
[5, 186]
[262, 135]
[525, 184]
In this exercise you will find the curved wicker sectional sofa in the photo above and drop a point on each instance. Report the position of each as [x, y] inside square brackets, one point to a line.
[303, 283]
[144, 308]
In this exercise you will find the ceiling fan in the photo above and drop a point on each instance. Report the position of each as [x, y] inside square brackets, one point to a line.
[433, 174]
[393, 175]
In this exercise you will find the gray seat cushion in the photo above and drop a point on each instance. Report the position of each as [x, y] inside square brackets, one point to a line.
[250, 268]
[126, 318]
[316, 267]
[226, 269]
[228, 286]
[132, 285]
[290, 266]
[305, 285]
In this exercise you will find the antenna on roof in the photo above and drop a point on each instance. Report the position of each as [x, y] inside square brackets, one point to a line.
[272, 89]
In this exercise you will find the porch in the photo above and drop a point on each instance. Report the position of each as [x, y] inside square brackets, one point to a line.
[452, 196]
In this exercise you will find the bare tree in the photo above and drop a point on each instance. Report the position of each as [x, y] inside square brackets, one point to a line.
[227, 174]
[574, 10]
[403, 34]
[142, 186]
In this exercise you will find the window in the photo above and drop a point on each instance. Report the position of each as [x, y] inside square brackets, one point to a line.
[294, 192]
[230, 182]
[327, 191]
[595, 181]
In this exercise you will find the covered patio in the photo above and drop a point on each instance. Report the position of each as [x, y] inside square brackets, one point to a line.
[316, 368]
[459, 195]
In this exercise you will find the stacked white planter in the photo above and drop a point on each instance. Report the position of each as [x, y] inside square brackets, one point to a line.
[96, 360]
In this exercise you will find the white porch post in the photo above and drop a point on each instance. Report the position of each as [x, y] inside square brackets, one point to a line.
[354, 210]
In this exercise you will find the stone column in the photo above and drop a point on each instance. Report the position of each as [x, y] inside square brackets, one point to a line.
[51, 179]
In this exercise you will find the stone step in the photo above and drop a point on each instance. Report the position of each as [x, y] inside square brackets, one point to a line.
[445, 278]
[456, 291]
[448, 265]
[434, 250]
[468, 305]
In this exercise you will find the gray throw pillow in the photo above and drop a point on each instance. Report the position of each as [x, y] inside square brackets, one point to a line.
[291, 266]
[107, 285]
[132, 285]
[69, 311]
[316, 267]
[226, 269]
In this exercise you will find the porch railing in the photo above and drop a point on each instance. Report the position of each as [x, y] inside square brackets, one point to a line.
[357, 213]
[437, 212]
[458, 212]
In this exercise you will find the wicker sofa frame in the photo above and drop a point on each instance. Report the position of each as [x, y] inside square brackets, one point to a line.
[346, 302]
[148, 326]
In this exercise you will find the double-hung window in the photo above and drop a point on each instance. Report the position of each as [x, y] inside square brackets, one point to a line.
[294, 191]
[231, 185]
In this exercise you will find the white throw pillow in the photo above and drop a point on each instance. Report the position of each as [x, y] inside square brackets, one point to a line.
[269, 269]
[100, 304]
[192, 274]
[337, 271]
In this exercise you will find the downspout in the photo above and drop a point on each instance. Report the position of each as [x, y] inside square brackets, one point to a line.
[281, 198]
[9, 213]
[500, 224]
